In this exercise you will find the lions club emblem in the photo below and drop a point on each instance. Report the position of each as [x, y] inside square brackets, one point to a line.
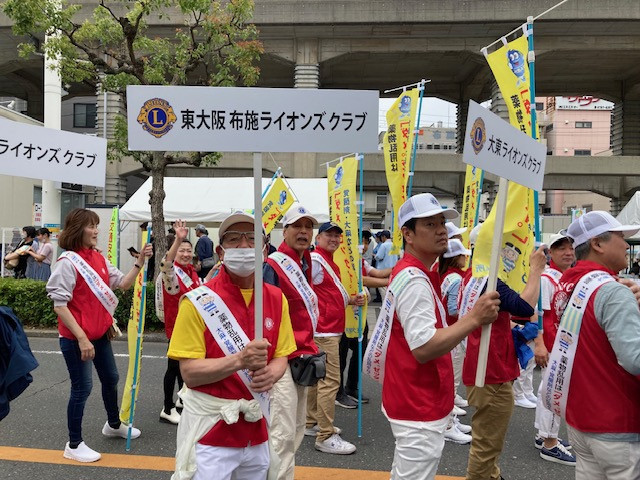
[268, 323]
[478, 135]
[157, 117]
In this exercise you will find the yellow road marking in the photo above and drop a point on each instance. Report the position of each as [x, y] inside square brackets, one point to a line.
[166, 464]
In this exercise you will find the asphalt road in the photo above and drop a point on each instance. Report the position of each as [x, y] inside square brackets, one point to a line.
[38, 420]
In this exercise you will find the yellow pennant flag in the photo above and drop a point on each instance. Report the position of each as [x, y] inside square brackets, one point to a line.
[275, 203]
[398, 142]
[511, 70]
[112, 245]
[132, 336]
[343, 210]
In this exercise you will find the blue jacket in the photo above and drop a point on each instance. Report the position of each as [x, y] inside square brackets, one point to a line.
[16, 359]
[521, 335]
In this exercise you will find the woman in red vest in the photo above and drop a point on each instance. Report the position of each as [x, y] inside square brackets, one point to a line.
[178, 277]
[81, 289]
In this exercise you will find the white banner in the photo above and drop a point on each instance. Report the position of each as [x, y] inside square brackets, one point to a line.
[494, 145]
[47, 154]
[245, 119]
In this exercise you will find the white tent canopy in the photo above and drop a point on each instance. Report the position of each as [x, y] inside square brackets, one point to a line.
[210, 200]
[630, 214]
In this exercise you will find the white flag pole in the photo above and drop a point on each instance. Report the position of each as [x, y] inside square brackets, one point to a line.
[257, 231]
[492, 283]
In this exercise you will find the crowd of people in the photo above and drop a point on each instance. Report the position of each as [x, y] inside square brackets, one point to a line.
[31, 258]
[245, 403]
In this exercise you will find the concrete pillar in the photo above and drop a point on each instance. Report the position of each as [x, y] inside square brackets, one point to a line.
[462, 110]
[625, 128]
[498, 105]
[616, 205]
[306, 75]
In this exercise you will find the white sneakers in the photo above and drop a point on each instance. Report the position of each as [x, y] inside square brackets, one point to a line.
[336, 445]
[121, 431]
[313, 431]
[458, 401]
[453, 434]
[524, 402]
[461, 426]
[173, 417]
[458, 411]
[82, 454]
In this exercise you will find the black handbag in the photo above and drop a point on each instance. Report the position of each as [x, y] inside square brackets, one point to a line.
[306, 370]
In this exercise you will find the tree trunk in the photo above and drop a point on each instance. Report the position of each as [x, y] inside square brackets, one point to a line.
[156, 200]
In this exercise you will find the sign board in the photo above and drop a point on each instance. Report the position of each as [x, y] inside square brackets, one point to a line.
[494, 145]
[47, 154]
[36, 219]
[244, 119]
[582, 102]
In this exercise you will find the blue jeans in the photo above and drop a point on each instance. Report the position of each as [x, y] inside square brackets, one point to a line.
[81, 382]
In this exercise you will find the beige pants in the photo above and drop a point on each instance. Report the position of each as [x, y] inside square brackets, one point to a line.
[321, 399]
[288, 413]
[494, 406]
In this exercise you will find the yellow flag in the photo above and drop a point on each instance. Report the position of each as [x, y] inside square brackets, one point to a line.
[470, 201]
[398, 142]
[343, 210]
[132, 336]
[511, 70]
[275, 203]
[112, 245]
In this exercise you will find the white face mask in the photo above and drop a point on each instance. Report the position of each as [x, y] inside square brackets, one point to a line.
[240, 261]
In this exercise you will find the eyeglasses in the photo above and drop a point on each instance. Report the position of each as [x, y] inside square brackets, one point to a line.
[233, 239]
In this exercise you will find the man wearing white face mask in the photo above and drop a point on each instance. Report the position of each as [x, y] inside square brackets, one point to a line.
[222, 432]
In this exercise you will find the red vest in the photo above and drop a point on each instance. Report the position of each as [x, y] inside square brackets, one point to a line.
[300, 320]
[549, 320]
[84, 305]
[603, 396]
[414, 391]
[451, 319]
[502, 363]
[170, 302]
[242, 433]
[330, 299]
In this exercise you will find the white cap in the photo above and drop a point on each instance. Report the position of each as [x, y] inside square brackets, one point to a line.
[421, 206]
[452, 230]
[473, 235]
[296, 212]
[236, 217]
[595, 223]
[456, 248]
[557, 237]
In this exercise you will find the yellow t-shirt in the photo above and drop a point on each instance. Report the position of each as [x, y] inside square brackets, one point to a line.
[187, 340]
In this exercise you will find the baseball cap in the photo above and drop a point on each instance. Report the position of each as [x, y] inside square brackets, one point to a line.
[455, 248]
[235, 217]
[452, 230]
[473, 235]
[296, 212]
[386, 233]
[595, 223]
[326, 226]
[421, 206]
[557, 237]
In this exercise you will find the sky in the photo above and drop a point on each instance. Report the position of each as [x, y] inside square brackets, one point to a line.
[433, 111]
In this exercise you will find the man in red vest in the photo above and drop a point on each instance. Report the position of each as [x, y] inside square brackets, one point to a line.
[593, 372]
[223, 428]
[290, 269]
[333, 298]
[417, 384]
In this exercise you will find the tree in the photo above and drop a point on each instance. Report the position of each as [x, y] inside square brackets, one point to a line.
[111, 46]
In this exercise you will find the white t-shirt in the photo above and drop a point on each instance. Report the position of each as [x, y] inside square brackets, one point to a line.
[415, 307]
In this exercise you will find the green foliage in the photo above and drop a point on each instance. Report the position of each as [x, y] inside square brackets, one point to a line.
[29, 301]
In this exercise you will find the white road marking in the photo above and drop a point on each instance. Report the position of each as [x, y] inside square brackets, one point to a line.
[56, 352]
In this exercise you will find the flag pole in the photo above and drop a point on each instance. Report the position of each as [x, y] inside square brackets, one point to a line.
[416, 132]
[136, 363]
[266, 189]
[359, 267]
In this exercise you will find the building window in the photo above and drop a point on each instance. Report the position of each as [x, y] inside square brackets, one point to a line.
[583, 125]
[84, 115]
[437, 146]
[548, 128]
[582, 152]
[437, 134]
[570, 209]
[381, 202]
[539, 106]
[587, 208]
[451, 135]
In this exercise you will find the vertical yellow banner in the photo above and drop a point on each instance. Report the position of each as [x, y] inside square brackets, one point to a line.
[511, 70]
[470, 201]
[132, 337]
[275, 203]
[112, 245]
[343, 210]
[398, 142]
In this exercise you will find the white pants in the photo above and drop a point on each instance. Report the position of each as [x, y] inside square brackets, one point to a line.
[288, 418]
[418, 448]
[457, 357]
[547, 422]
[225, 463]
[523, 385]
[600, 460]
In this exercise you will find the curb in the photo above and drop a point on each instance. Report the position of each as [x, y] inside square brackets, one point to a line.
[154, 337]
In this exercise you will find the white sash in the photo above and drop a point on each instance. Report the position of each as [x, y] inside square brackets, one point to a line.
[557, 378]
[448, 282]
[553, 274]
[227, 333]
[97, 286]
[184, 278]
[376, 354]
[299, 282]
[470, 294]
[159, 299]
[320, 259]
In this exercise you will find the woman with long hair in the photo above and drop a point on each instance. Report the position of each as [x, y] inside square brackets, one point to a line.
[81, 289]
